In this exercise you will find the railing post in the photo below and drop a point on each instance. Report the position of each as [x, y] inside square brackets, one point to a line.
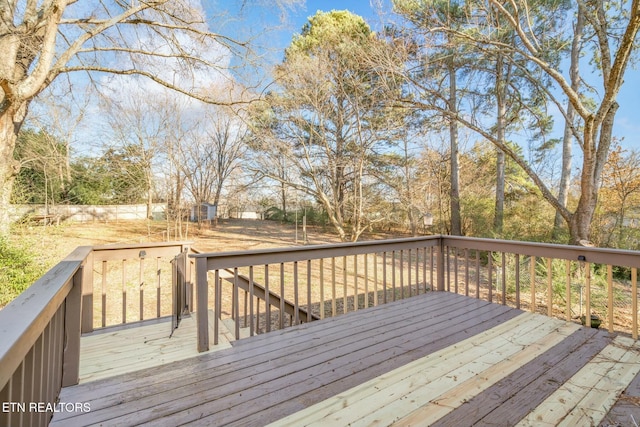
[87, 294]
[73, 327]
[188, 285]
[202, 297]
[440, 266]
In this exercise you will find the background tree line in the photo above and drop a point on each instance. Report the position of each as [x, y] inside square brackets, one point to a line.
[443, 71]
[447, 110]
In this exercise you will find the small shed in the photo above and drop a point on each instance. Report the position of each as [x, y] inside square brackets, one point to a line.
[203, 212]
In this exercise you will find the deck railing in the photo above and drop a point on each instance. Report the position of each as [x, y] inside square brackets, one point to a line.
[40, 330]
[570, 282]
[131, 283]
[264, 290]
[324, 280]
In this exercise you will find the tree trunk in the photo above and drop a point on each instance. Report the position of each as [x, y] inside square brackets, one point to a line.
[498, 219]
[283, 195]
[567, 140]
[456, 221]
[501, 105]
[11, 120]
[565, 175]
[594, 160]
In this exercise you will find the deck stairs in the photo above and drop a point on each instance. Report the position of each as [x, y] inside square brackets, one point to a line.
[274, 299]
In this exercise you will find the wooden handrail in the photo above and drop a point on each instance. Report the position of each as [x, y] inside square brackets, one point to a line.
[23, 320]
[594, 255]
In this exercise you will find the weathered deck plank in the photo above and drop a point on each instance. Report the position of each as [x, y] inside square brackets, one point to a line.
[438, 358]
[311, 352]
[268, 346]
[589, 394]
[627, 408]
[470, 365]
[113, 351]
[509, 400]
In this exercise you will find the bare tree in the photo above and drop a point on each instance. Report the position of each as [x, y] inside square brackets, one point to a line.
[212, 153]
[43, 40]
[141, 129]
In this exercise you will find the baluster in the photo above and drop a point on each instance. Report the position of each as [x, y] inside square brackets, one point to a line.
[333, 286]
[296, 302]
[610, 296]
[455, 269]
[384, 277]
[567, 268]
[309, 317]
[532, 277]
[281, 317]
[366, 280]
[321, 288]
[267, 299]
[477, 274]
[124, 293]
[466, 272]
[634, 302]
[375, 279]
[344, 284]
[141, 288]
[504, 278]
[355, 282]
[104, 294]
[517, 261]
[252, 327]
[393, 274]
[158, 293]
[549, 287]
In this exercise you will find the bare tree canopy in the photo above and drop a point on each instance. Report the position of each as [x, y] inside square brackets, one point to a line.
[167, 42]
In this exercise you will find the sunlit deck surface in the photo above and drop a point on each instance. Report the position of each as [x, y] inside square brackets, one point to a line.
[132, 347]
[435, 359]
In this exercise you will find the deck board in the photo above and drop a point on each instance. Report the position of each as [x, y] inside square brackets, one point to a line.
[467, 368]
[512, 398]
[435, 353]
[114, 351]
[588, 395]
[627, 408]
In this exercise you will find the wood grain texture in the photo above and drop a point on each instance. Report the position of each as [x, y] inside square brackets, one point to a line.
[437, 358]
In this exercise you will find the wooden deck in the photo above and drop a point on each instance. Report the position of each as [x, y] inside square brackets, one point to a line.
[132, 347]
[436, 359]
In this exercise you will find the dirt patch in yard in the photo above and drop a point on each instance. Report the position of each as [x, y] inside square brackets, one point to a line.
[51, 244]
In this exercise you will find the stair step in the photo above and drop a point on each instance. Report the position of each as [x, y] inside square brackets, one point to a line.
[229, 330]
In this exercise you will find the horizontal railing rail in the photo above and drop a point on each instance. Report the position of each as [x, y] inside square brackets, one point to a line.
[571, 282]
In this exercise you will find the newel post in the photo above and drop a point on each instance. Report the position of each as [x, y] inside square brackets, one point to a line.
[440, 265]
[87, 293]
[188, 284]
[73, 322]
[202, 299]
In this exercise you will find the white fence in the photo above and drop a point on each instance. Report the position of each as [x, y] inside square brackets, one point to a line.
[85, 213]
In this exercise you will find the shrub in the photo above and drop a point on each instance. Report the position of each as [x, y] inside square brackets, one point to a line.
[18, 270]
